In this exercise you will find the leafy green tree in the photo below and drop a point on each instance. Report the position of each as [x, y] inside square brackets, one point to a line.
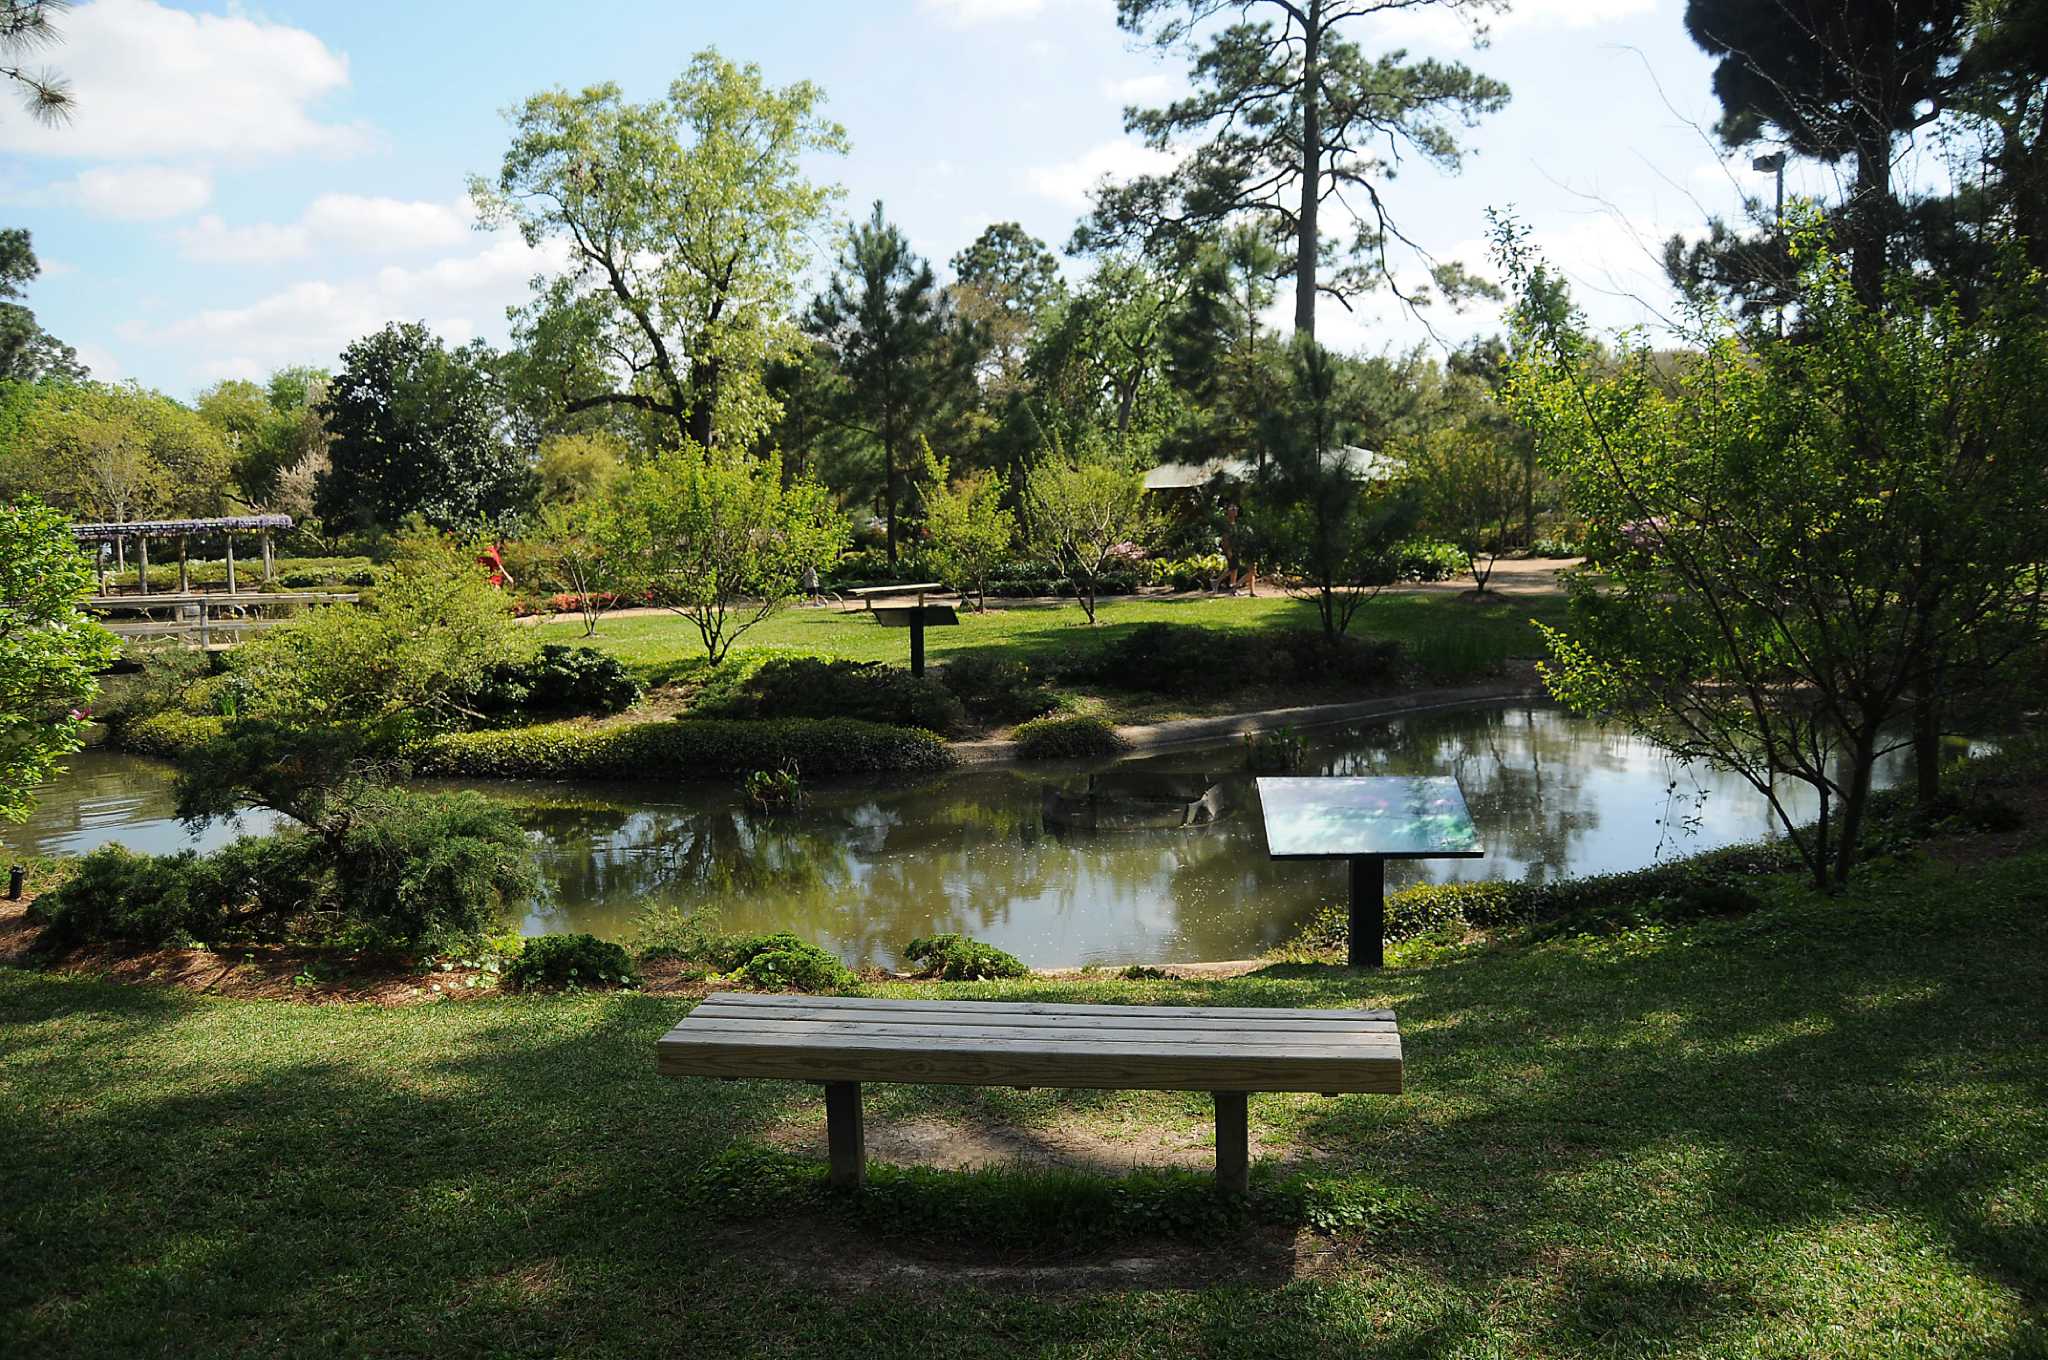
[579, 538]
[1006, 281]
[1326, 520]
[116, 452]
[1084, 511]
[970, 531]
[1292, 114]
[420, 644]
[1221, 356]
[1801, 541]
[417, 429]
[579, 467]
[721, 538]
[686, 222]
[28, 353]
[1474, 486]
[50, 652]
[905, 355]
[1101, 357]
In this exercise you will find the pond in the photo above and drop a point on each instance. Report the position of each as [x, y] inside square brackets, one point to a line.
[1061, 867]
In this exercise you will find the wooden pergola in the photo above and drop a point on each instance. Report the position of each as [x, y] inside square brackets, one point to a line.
[142, 531]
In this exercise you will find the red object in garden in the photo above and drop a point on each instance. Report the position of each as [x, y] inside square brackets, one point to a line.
[489, 558]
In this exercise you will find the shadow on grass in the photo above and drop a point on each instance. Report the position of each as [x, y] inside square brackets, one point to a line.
[1822, 1122]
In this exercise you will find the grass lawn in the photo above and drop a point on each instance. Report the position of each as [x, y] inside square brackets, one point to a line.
[1820, 1130]
[1449, 637]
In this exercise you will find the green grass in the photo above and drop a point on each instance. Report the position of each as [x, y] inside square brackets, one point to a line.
[1819, 1130]
[1452, 637]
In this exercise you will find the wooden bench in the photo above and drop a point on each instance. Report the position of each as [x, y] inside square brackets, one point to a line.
[843, 1041]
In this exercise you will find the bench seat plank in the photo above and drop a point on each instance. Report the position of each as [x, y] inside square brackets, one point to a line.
[1150, 1019]
[1098, 1036]
[1033, 1007]
[973, 1044]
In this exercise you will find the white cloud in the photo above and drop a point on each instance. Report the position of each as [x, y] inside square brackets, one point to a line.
[1433, 26]
[333, 223]
[140, 193]
[152, 81]
[971, 13]
[311, 321]
[1147, 89]
[1069, 182]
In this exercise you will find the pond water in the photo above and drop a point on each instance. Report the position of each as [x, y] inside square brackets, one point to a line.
[1025, 858]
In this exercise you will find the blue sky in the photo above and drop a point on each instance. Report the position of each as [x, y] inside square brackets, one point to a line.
[248, 186]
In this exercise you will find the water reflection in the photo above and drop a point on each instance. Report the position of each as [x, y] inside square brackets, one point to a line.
[863, 869]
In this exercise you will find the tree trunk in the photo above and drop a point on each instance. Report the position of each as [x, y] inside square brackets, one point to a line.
[1307, 236]
[1871, 219]
[1862, 754]
[889, 493]
[1927, 748]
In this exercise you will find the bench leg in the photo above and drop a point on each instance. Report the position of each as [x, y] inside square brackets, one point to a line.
[844, 1136]
[1233, 1152]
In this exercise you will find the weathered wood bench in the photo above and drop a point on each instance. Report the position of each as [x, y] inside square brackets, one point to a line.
[844, 1041]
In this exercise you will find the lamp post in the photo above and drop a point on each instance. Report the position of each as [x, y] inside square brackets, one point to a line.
[1775, 162]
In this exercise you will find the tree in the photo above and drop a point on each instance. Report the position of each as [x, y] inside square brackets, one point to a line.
[720, 538]
[416, 429]
[1101, 357]
[579, 467]
[686, 222]
[270, 428]
[1474, 486]
[50, 652]
[116, 452]
[1841, 81]
[1220, 354]
[1006, 281]
[1325, 519]
[899, 346]
[1084, 512]
[25, 27]
[970, 532]
[1801, 539]
[579, 538]
[1295, 116]
[28, 353]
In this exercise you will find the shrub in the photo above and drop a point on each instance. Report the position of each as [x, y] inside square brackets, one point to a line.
[955, 958]
[776, 959]
[571, 961]
[255, 885]
[170, 735]
[1421, 559]
[1067, 739]
[774, 790]
[812, 687]
[1675, 892]
[1185, 659]
[996, 688]
[429, 872]
[1197, 571]
[557, 680]
[689, 748]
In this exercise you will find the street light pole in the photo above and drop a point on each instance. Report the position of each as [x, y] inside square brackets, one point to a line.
[1776, 162]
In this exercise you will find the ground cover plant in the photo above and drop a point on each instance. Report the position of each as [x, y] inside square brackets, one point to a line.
[1810, 1129]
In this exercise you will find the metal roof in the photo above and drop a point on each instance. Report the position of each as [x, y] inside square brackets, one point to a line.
[1366, 465]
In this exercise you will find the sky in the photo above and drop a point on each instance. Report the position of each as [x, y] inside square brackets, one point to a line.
[247, 186]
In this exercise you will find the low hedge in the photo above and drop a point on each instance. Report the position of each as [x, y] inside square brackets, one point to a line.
[688, 748]
[815, 687]
[1708, 884]
[1188, 659]
[1067, 739]
[570, 962]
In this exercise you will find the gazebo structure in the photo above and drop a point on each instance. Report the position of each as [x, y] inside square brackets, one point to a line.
[142, 531]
